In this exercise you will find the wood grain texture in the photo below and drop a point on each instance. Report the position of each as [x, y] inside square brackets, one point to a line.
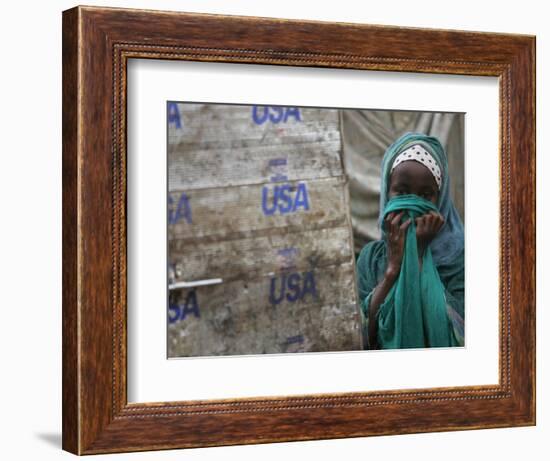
[255, 193]
[70, 381]
[237, 145]
[239, 166]
[320, 316]
[269, 252]
[237, 212]
[96, 415]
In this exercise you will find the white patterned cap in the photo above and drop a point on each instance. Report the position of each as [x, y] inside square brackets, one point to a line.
[419, 154]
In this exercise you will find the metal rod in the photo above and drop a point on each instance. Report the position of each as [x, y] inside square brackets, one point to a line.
[195, 283]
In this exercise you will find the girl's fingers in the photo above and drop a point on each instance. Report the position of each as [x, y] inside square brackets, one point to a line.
[406, 224]
[438, 217]
[396, 218]
[388, 219]
[433, 221]
[437, 222]
[430, 221]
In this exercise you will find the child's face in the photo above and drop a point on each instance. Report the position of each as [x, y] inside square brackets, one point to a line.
[413, 178]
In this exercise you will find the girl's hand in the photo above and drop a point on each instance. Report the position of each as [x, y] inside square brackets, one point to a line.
[395, 235]
[427, 227]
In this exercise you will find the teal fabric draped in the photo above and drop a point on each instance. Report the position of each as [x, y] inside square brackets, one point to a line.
[414, 313]
[446, 252]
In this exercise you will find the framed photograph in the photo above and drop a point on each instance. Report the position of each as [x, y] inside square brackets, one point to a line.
[280, 230]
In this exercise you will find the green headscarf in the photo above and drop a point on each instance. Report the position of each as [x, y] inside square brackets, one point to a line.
[424, 308]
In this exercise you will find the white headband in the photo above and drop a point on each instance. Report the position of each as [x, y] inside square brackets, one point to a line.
[419, 154]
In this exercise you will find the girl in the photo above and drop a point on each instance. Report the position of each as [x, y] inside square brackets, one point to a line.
[411, 282]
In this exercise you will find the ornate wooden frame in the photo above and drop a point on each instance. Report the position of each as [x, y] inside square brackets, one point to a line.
[97, 43]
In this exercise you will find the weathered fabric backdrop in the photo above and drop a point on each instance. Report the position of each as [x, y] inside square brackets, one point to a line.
[365, 136]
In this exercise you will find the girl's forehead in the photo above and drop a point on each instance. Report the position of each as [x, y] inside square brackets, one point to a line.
[412, 172]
